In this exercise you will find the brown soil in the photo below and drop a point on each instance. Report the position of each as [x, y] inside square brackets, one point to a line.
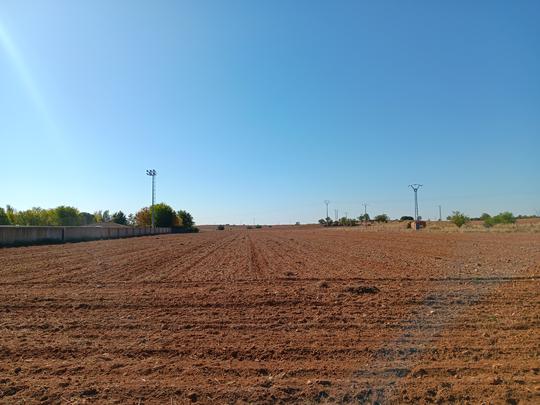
[273, 315]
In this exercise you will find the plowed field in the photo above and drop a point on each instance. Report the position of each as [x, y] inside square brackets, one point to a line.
[273, 315]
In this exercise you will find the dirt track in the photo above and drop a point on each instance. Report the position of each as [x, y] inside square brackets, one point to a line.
[305, 315]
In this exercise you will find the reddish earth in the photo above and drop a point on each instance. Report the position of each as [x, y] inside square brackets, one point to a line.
[273, 315]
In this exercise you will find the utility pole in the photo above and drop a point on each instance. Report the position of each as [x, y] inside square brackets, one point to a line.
[326, 202]
[152, 173]
[415, 188]
[440, 213]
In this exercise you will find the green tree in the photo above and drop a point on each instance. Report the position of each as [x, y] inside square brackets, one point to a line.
[382, 218]
[35, 216]
[106, 216]
[11, 214]
[102, 216]
[131, 220]
[185, 219]
[86, 218]
[4, 220]
[143, 217]
[164, 215]
[364, 217]
[98, 216]
[458, 218]
[66, 216]
[119, 218]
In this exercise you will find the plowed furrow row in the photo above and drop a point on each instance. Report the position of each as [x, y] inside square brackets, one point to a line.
[301, 315]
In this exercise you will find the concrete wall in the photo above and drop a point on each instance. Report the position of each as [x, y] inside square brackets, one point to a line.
[10, 235]
[29, 235]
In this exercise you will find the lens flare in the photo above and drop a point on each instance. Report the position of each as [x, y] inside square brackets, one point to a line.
[21, 68]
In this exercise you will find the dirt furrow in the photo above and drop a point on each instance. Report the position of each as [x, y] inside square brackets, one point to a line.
[273, 315]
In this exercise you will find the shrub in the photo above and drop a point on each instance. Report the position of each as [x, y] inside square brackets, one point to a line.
[502, 218]
[326, 222]
[406, 218]
[258, 226]
[181, 229]
[459, 218]
[505, 218]
[382, 218]
[344, 221]
[221, 228]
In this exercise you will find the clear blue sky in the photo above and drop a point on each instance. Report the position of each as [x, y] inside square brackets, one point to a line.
[260, 110]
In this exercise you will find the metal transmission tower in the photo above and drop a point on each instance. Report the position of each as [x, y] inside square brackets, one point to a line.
[152, 173]
[336, 212]
[365, 211]
[415, 188]
[440, 213]
[326, 202]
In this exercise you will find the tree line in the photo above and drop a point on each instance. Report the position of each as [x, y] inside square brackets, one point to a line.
[344, 221]
[164, 216]
[460, 219]
[457, 217]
